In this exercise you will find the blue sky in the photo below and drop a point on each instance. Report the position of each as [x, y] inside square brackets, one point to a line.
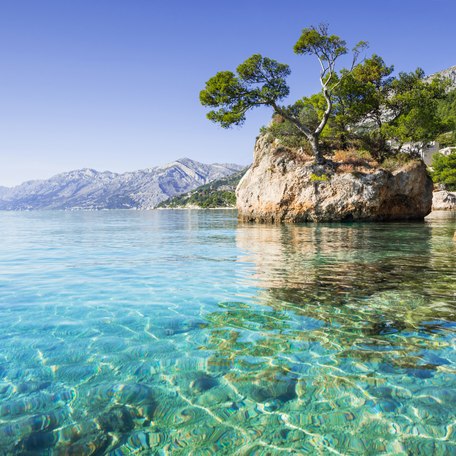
[114, 84]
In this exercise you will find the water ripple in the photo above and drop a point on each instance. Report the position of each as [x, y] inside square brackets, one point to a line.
[182, 332]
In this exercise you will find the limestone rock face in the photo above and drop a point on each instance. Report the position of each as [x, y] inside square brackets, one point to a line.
[444, 201]
[281, 186]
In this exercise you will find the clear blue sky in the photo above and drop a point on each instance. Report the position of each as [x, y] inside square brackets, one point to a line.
[113, 84]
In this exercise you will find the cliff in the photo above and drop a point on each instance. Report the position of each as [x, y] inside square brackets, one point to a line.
[282, 186]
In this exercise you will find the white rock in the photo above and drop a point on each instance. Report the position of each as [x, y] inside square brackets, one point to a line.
[444, 201]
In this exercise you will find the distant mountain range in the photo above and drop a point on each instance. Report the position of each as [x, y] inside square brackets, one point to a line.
[91, 189]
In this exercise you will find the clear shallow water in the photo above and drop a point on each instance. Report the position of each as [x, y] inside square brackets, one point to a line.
[176, 332]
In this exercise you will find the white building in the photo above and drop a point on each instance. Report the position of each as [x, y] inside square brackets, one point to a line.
[425, 151]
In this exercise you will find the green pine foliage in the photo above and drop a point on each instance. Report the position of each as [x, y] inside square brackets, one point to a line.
[447, 111]
[366, 106]
[444, 170]
[259, 81]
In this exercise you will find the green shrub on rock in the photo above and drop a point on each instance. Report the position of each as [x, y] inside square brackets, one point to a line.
[317, 178]
[397, 161]
[444, 170]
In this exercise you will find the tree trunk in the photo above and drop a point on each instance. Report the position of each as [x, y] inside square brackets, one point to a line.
[319, 160]
[312, 137]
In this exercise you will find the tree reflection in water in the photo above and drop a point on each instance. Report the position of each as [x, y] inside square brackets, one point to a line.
[350, 336]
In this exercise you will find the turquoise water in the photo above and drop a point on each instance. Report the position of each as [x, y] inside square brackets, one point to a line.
[182, 332]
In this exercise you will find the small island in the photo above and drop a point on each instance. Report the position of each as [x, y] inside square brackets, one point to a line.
[285, 186]
[353, 151]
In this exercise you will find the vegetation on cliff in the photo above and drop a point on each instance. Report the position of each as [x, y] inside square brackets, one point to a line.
[447, 111]
[444, 170]
[216, 194]
[364, 107]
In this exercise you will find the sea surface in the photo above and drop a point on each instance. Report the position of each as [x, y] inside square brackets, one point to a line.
[186, 333]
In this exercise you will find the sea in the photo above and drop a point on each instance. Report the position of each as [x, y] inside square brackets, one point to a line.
[187, 332]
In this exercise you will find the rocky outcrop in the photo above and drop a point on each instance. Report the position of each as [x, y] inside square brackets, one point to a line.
[444, 201]
[281, 186]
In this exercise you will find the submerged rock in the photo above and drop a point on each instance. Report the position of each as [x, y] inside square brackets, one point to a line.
[444, 201]
[267, 390]
[117, 419]
[37, 441]
[281, 186]
[202, 382]
[283, 390]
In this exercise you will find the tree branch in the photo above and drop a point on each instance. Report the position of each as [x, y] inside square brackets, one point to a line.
[302, 128]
